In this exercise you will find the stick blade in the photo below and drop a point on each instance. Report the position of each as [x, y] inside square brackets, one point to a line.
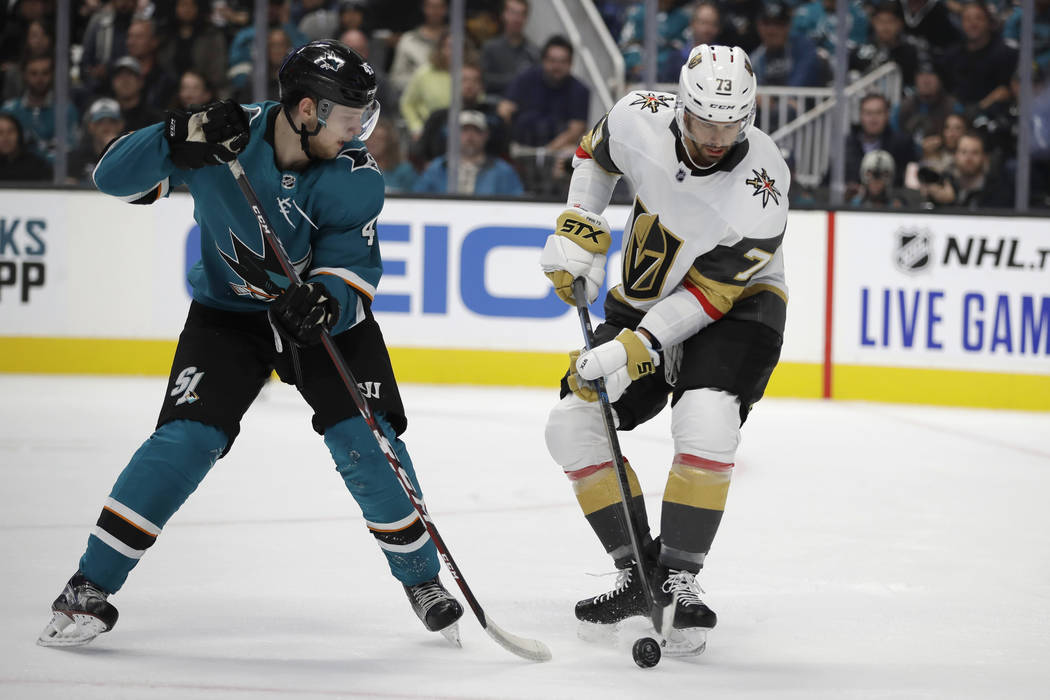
[531, 649]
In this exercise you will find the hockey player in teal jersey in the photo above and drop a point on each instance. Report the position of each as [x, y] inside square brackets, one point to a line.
[323, 192]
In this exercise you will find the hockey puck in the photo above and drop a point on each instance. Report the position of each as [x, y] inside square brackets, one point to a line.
[646, 652]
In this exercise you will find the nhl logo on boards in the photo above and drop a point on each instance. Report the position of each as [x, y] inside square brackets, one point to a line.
[913, 249]
[287, 181]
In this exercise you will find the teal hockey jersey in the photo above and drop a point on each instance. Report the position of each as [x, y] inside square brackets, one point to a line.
[324, 215]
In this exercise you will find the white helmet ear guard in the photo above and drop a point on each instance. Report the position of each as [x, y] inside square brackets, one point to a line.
[717, 84]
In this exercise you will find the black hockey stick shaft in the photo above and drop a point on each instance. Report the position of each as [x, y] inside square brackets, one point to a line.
[536, 649]
[630, 513]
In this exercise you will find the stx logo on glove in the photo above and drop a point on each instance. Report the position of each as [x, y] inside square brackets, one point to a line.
[581, 229]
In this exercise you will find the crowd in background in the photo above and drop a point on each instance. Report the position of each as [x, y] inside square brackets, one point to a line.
[949, 140]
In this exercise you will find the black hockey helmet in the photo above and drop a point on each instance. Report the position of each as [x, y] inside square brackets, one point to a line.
[333, 74]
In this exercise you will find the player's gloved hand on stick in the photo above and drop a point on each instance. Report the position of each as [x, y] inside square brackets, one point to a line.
[622, 360]
[587, 390]
[210, 135]
[303, 311]
[577, 248]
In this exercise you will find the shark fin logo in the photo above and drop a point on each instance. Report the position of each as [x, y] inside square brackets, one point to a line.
[261, 275]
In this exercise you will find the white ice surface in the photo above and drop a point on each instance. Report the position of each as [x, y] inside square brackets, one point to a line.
[868, 551]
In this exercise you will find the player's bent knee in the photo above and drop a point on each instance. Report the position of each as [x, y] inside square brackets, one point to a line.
[575, 434]
[706, 423]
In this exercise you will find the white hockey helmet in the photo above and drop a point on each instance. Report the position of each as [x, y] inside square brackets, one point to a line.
[717, 84]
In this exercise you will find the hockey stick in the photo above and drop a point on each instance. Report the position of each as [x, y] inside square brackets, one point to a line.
[656, 612]
[531, 649]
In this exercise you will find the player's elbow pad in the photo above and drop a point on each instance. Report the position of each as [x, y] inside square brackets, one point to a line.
[677, 317]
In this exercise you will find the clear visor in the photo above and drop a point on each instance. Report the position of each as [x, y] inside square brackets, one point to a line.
[353, 122]
[711, 134]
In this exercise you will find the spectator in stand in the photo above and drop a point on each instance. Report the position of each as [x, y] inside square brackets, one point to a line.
[978, 70]
[479, 173]
[126, 82]
[672, 23]
[434, 139]
[105, 40]
[18, 163]
[194, 44]
[240, 52]
[319, 19]
[415, 48]
[385, 147]
[352, 14]
[39, 42]
[15, 18]
[874, 133]
[102, 124]
[938, 149]
[969, 182]
[278, 45]
[194, 89]
[358, 41]
[817, 21]
[510, 53]
[922, 113]
[931, 24]
[159, 85]
[1040, 33]
[876, 184]
[998, 125]
[430, 88]
[739, 25]
[35, 109]
[705, 26]
[887, 42]
[545, 105]
[781, 59]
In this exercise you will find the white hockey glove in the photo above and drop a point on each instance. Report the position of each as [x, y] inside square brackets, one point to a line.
[577, 248]
[627, 358]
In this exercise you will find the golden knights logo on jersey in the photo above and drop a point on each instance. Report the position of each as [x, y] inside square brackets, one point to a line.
[763, 185]
[649, 254]
[652, 102]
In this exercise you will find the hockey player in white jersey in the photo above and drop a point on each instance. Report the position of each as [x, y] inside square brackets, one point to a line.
[698, 317]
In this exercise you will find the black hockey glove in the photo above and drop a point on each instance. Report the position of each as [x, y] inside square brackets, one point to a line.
[210, 135]
[301, 312]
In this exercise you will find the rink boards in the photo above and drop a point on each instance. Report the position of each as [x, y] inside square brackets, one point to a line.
[893, 307]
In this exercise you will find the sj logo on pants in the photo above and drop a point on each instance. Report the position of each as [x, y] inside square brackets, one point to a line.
[186, 385]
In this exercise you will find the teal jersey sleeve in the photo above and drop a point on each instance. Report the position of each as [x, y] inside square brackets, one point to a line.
[346, 256]
[137, 168]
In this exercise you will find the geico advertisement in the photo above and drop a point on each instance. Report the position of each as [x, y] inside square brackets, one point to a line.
[457, 274]
[951, 292]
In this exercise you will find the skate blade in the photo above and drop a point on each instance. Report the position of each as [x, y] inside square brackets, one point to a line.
[451, 633]
[66, 631]
[685, 642]
[597, 633]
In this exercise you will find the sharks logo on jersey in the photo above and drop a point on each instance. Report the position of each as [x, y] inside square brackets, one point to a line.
[360, 158]
[261, 274]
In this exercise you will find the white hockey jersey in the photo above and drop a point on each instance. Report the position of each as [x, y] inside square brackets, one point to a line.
[715, 232]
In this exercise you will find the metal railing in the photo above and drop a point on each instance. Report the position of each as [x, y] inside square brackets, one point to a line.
[807, 137]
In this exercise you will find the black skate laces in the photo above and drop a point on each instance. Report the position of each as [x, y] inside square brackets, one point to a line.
[682, 586]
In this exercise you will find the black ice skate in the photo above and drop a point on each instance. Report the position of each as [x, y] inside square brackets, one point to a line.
[625, 600]
[692, 617]
[436, 607]
[78, 615]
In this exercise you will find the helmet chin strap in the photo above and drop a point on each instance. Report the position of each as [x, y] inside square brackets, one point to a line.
[324, 108]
